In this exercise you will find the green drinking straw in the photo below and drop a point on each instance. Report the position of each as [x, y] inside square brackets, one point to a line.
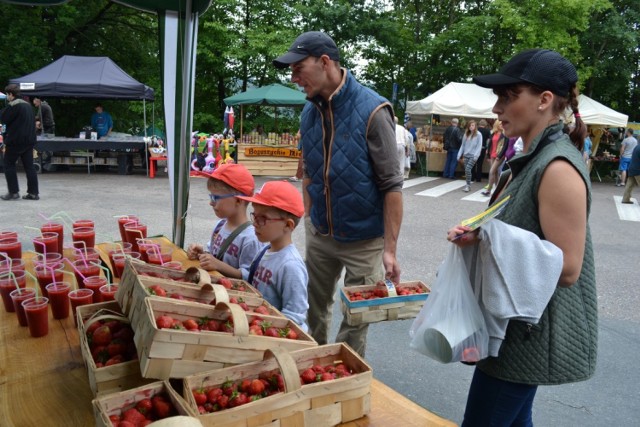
[106, 272]
[65, 217]
[33, 278]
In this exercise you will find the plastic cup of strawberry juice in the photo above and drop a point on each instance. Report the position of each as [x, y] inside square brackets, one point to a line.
[48, 273]
[122, 221]
[159, 255]
[46, 243]
[11, 246]
[11, 264]
[83, 269]
[89, 254]
[11, 281]
[77, 298]
[83, 237]
[17, 296]
[146, 246]
[37, 311]
[108, 292]
[119, 261]
[135, 231]
[59, 299]
[115, 248]
[95, 283]
[55, 227]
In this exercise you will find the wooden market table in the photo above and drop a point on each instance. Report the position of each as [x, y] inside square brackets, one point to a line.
[43, 381]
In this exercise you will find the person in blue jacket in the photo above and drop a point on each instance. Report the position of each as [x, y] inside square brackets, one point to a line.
[101, 121]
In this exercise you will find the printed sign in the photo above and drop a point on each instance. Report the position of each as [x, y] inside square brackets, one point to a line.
[272, 152]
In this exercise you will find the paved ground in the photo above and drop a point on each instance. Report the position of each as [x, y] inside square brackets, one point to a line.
[610, 398]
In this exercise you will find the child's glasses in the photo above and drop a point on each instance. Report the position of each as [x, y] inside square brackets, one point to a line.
[215, 198]
[262, 220]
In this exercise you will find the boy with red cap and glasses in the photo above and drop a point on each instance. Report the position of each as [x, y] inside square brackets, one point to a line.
[279, 272]
[233, 243]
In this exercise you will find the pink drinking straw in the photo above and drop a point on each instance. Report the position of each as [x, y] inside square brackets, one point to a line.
[74, 267]
[53, 275]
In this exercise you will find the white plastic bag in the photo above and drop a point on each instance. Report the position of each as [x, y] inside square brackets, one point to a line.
[450, 327]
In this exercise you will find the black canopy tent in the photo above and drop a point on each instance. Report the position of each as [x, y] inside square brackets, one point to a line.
[87, 77]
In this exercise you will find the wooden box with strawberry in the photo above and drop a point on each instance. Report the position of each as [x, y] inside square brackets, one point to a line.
[373, 303]
[108, 350]
[133, 297]
[179, 338]
[317, 387]
[141, 406]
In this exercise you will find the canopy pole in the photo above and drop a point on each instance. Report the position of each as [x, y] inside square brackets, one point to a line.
[146, 151]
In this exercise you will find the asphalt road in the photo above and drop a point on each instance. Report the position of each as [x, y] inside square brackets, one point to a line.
[610, 398]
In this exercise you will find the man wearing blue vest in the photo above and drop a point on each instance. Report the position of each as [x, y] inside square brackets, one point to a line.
[352, 186]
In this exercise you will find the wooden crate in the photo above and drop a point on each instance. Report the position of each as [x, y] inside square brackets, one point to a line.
[171, 353]
[113, 404]
[322, 404]
[381, 309]
[108, 379]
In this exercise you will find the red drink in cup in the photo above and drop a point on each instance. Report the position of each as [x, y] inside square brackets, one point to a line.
[118, 248]
[48, 273]
[37, 312]
[77, 298]
[89, 254]
[174, 265]
[8, 284]
[122, 221]
[48, 259]
[55, 227]
[108, 292]
[95, 283]
[8, 234]
[135, 231]
[84, 234]
[83, 223]
[47, 243]
[119, 261]
[145, 246]
[59, 299]
[83, 269]
[12, 264]
[11, 246]
[159, 255]
[17, 296]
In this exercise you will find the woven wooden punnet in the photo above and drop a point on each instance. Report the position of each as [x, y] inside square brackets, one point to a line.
[108, 379]
[132, 293]
[112, 404]
[322, 404]
[171, 353]
[381, 309]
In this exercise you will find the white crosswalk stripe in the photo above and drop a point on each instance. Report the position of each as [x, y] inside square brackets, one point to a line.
[477, 197]
[627, 212]
[442, 189]
[417, 181]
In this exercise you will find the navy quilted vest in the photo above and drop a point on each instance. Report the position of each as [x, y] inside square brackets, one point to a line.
[345, 201]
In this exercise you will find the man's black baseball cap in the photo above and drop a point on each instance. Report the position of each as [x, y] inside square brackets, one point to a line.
[312, 43]
[541, 67]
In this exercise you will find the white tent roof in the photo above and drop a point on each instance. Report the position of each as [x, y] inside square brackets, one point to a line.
[594, 113]
[456, 99]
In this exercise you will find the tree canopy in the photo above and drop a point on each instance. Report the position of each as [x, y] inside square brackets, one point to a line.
[418, 45]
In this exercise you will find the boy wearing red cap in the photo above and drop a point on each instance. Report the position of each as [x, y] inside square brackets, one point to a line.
[233, 243]
[279, 272]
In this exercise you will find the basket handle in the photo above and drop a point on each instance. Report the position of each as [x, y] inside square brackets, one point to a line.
[220, 293]
[199, 277]
[240, 322]
[288, 367]
[105, 314]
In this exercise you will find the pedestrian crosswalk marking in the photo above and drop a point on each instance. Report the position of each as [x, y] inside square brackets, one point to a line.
[627, 212]
[477, 197]
[442, 189]
[417, 181]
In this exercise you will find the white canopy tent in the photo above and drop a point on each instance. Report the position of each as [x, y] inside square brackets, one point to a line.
[456, 99]
[594, 113]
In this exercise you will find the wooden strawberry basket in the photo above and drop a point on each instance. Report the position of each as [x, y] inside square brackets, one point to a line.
[320, 404]
[107, 379]
[171, 353]
[382, 309]
[113, 404]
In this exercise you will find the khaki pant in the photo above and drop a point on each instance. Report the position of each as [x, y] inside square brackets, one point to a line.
[325, 259]
[632, 181]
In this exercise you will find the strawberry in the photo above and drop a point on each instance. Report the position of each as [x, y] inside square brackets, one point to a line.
[327, 376]
[164, 322]
[226, 327]
[161, 407]
[213, 325]
[229, 387]
[261, 309]
[102, 336]
[234, 300]
[116, 347]
[91, 329]
[318, 369]
[190, 325]
[238, 400]
[133, 416]
[224, 281]
[223, 401]
[244, 306]
[256, 387]
[177, 296]
[308, 376]
[118, 358]
[157, 290]
[125, 334]
[245, 385]
[100, 354]
[115, 419]
[271, 331]
[177, 324]
[214, 394]
[255, 330]
[290, 334]
[144, 406]
[199, 396]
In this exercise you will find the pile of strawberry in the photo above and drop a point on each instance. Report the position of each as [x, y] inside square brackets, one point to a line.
[111, 342]
[145, 412]
[232, 285]
[381, 292]
[236, 393]
[261, 309]
[257, 326]
[319, 373]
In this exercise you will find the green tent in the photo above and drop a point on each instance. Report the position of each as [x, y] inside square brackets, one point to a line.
[275, 95]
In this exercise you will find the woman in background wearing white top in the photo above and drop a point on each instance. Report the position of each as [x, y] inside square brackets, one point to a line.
[470, 150]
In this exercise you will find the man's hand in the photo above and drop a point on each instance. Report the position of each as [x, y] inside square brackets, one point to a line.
[391, 267]
[193, 251]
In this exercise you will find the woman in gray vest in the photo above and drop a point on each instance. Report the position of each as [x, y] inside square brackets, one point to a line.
[550, 196]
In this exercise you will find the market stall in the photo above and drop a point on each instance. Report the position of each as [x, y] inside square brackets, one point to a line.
[432, 114]
[271, 153]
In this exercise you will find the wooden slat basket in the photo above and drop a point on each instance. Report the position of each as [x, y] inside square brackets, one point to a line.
[113, 404]
[171, 353]
[382, 309]
[321, 404]
[107, 379]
